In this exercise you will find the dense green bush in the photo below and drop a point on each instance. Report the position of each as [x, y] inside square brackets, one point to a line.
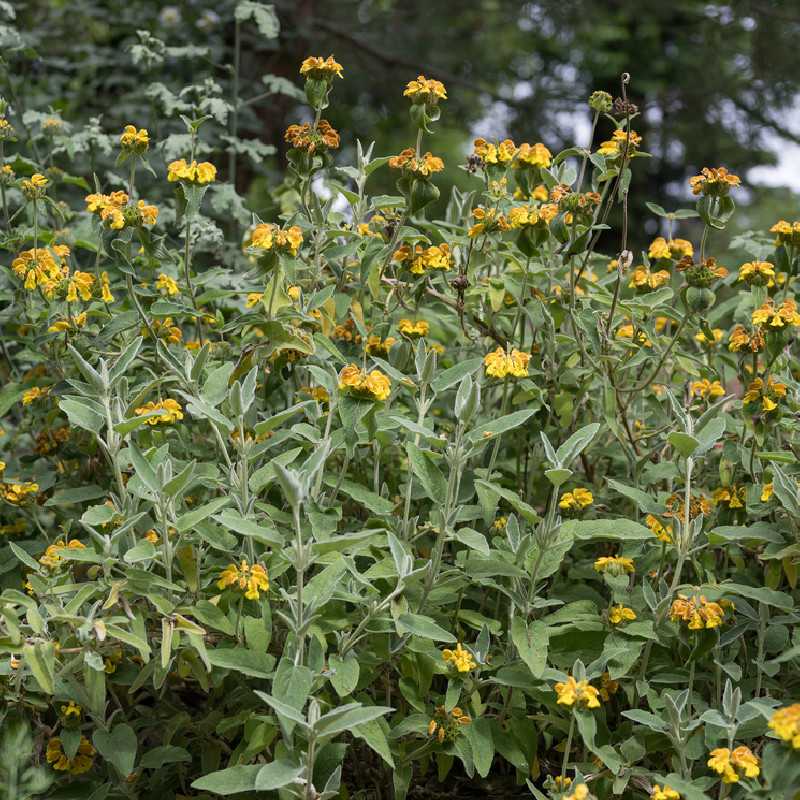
[353, 501]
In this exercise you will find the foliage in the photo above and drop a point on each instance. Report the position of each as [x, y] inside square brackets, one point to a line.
[369, 497]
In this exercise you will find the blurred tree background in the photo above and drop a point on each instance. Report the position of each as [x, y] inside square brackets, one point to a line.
[714, 81]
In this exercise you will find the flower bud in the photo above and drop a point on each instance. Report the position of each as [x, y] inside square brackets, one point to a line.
[601, 102]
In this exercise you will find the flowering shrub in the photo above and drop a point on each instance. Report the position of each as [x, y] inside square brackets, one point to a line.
[357, 497]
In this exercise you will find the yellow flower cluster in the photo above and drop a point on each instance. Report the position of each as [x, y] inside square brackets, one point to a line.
[576, 500]
[501, 363]
[657, 793]
[676, 503]
[169, 411]
[201, 173]
[164, 329]
[786, 232]
[374, 385]
[42, 268]
[662, 532]
[487, 220]
[35, 186]
[425, 90]
[422, 258]
[731, 765]
[136, 140]
[774, 316]
[697, 612]
[757, 273]
[34, 393]
[73, 323]
[582, 692]
[764, 396]
[412, 329]
[533, 155]
[621, 141]
[580, 792]
[446, 725]
[166, 284]
[618, 614]
[460, 658]
[246, 578]
[742, 339]
[785, 723]
[614, 565]
[714, 182]
[50, 557]
[115, 213]
[500, 153]
[80, 763]
[319, 68]
[733, 496]
[643, 279]
[18, 492]
[71, 710]
[528, 216]
[628, 331]
[379, 347]
[673, 249]
[267, 236]
[420, 167]
[312, 138]
[707, 390]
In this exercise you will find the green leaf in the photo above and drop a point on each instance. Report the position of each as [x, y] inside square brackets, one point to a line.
[191, 519]
[232, 780]
[419, 625]
[427, 473]
[344, 673]
[81, 416]
[624, 530]
[144, 470]
[374, 502]
[684, 443]
[373, 734]
[118, 747]
[450, 377]
[263, 15]
[143, 551]
[233, 521]
[276, 775]
[40, 658]
[248, 662]
[646, 503]
[576, 444]
[340, 720]
[646, 718]
[531, 641]
[500, 426]
[479, 733]
[159, 756]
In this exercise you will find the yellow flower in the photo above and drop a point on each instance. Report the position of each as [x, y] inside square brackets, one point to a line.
[166, 284]
[267, 236]
[321, 68]
[105, 288]
[312, 139]
[740, 339]
[136, 140]
[717, 334]
[422, 167]
[697, 612]
[777, 317]
[643, 278]
[374, 385]
[581, 792]
[191, 173]
[785, 722]
[733, 496]
[659, 248]
[253, 299]
[248, 579]
[621, 141]
[763, 398]
[34, 393]
[766, 492]
[379, 347]
[714, 182]
[425, 90]
[61, 325]
[51, 559]
[80, 283]
[607, 687]
[619, 614]
[80, 763]
[446, 725]
[756, 273]
[533, 155]
[662, 532]
[787, 232]
[71, 710]
[581, 692]
[576, 500]
[152, 536]
[18, 493]
[501, 363]
[460, 658]
[707, 389]
[170, 411]
[35, 186]
[147, 214]
[628, 331]
[733, 765]
[413, 329]
[614, 565]
[657, 793]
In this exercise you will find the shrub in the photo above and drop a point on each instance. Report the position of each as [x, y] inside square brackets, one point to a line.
[363, 498]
